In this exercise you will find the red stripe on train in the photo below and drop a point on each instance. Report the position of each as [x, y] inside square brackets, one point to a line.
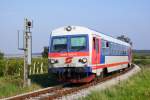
[70, 54]
[109, 65]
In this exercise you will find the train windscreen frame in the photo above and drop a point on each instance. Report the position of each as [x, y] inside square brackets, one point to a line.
[59, 44]
[69, 43]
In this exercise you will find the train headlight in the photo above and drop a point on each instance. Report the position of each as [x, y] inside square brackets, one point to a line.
[69, 28]
[53, 61]
[83, 60]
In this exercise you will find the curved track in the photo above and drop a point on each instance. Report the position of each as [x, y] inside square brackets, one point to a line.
[64, 89]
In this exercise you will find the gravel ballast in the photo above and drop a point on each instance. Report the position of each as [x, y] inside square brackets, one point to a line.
[101, 86]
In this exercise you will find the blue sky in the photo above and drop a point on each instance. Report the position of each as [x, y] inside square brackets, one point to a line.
[112, 17]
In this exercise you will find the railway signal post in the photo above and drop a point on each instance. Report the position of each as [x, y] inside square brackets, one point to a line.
[27, 48]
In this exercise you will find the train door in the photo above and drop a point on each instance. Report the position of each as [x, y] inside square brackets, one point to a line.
[95, 51]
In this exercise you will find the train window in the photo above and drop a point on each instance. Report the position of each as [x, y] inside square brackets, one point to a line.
[127, 51]
[103, 44]
[106, 47]
[97, 45]
[78, 43]
[103, 47]
[107, 51]
[59, 44]
[112, 48]
[94, 43]
[107, 44]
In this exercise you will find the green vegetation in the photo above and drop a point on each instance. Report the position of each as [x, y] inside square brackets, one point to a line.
[142, 52]
[15, 66]
[141, 59]
[11, 76]
[1, 55]
[45, 52]
[13, 85]
[136, 88]
[10, 67]
[11, 82]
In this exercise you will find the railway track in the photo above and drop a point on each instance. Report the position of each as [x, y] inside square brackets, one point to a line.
[64, 89]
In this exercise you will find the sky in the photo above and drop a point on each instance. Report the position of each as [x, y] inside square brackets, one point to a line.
[112, 17]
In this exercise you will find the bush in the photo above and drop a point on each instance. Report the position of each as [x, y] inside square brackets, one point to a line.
[45, 52]
[2, 67]
[1, 55]
[10, 67]
[14, 67]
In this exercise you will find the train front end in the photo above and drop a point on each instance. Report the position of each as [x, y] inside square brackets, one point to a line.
[69, 55]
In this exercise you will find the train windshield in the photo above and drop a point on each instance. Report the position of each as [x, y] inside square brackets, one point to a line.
[68, 43]
[78, 43]
[59, 44]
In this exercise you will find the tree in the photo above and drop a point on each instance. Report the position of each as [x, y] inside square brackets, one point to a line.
[45, 52]
[1, 55]
[125, 39]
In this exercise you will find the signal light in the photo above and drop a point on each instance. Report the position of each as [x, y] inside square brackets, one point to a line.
[29, 23]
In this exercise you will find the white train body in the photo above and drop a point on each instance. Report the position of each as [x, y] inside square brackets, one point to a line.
[82, 50]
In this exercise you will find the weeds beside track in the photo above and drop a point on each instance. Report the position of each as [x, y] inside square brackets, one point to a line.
[55, 92]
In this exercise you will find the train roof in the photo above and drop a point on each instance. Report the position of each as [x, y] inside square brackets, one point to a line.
[73, 30]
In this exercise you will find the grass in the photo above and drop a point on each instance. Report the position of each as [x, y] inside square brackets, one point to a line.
[136, 88]
[12, 85]
[11, 82]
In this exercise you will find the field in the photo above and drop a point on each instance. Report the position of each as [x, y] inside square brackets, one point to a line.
[11, 76]
[136, 88]
[14, 67]
[11, 83]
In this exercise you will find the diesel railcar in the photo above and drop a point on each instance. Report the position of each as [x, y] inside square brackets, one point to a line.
[78, 54]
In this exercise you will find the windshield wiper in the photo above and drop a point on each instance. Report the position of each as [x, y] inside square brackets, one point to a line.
[80, 48]
[59, 50]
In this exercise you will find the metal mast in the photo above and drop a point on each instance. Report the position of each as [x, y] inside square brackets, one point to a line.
[27, 47]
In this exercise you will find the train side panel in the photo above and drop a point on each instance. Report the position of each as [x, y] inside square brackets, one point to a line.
[112, 56]
[119, 62]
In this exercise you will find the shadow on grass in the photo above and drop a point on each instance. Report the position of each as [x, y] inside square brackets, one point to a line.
[44, 80]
